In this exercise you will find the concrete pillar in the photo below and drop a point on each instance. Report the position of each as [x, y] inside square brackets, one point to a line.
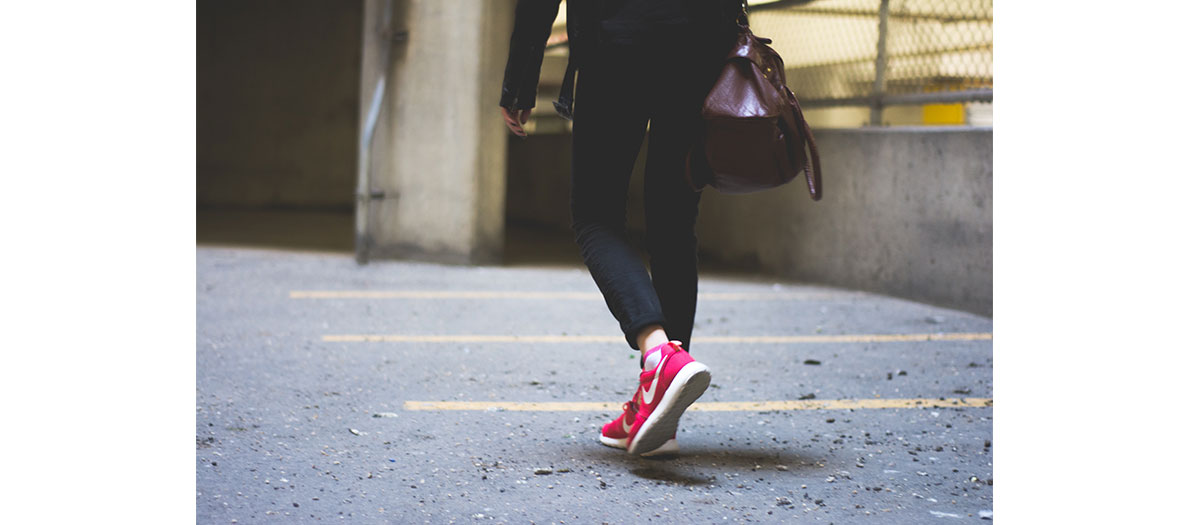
[439, 153]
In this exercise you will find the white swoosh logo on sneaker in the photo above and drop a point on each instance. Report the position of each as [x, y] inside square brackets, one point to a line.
[649, 394]
[626, 425]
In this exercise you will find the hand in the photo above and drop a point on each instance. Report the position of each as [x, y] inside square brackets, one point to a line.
[516, 119]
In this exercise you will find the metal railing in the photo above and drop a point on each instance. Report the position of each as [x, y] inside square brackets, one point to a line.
[880, 53]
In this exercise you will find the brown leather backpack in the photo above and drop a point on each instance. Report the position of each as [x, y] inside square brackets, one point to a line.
[755, 137]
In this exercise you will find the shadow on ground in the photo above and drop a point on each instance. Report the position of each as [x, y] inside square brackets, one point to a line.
[699, 465]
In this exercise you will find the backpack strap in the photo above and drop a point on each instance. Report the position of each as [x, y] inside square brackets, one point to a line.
[565, 101]
[582, 20]
[814, 182]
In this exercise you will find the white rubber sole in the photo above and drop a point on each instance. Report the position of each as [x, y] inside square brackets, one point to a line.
[688, 385]
[669, 447]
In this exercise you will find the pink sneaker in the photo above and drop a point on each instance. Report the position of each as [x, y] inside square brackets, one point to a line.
[665, 392]
[614, 434]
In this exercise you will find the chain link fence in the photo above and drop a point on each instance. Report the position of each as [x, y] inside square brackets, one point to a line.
[855, 62]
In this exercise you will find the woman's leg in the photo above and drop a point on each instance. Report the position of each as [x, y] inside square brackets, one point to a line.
[670, 205]
[672, 379]
[670, 208]
[610, 124]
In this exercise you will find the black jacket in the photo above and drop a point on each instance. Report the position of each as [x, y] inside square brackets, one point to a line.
[534, 22]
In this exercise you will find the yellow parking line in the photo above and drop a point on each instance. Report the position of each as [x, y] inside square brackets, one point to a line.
[850, 338]
[469, 338]
[732, 406]
[780, 339]
[575, 296]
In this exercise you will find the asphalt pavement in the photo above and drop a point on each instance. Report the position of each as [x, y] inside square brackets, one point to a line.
[402, 392]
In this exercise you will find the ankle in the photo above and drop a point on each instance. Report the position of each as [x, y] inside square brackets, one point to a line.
[651, 337]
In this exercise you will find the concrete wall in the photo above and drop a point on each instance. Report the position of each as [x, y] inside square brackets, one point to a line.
[906, 212]
[277, 95]
[440, 155]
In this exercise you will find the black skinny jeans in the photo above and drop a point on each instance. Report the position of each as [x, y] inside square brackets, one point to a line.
[619, 93]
